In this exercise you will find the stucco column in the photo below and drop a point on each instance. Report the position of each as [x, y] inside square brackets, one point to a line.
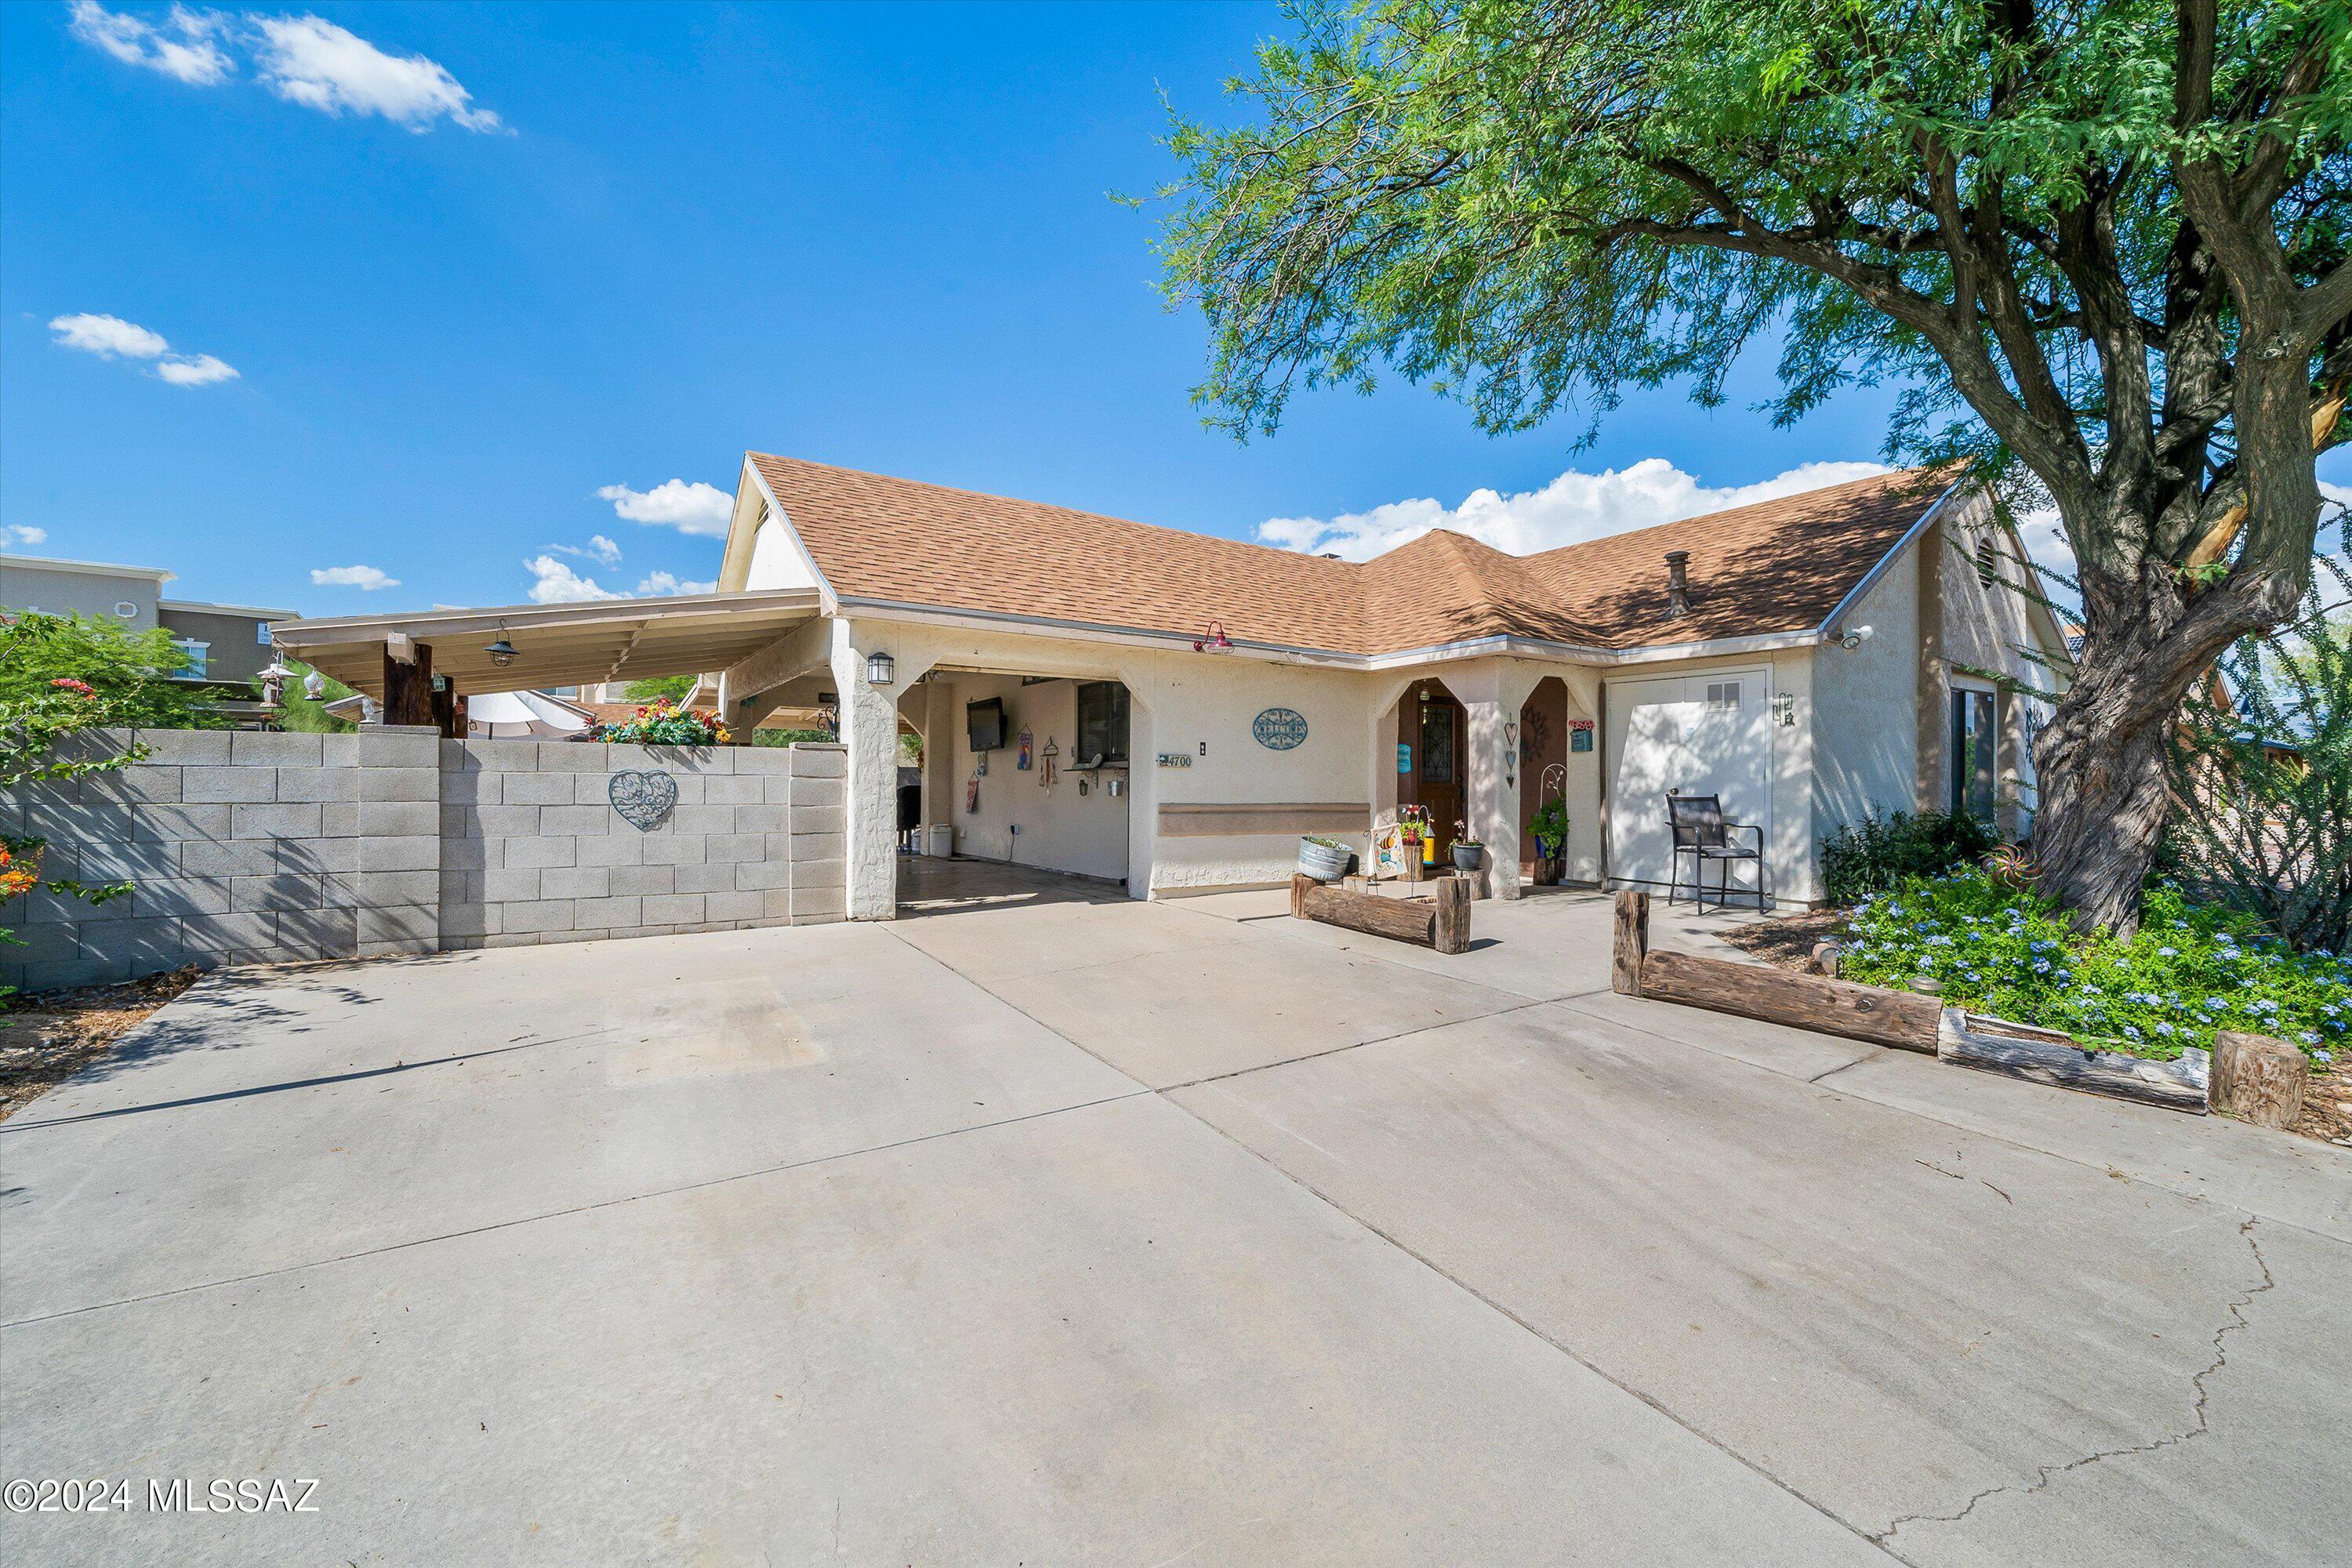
[1492, 695]
[939, 759]
[869, 733]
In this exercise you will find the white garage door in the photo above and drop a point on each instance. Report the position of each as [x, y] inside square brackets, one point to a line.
[1694, 734]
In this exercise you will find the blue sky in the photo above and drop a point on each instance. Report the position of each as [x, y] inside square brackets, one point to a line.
[484, 274]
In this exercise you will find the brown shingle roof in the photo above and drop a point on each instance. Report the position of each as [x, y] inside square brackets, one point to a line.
[1778, 566]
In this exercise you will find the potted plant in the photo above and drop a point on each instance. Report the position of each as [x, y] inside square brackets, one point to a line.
[1467, 851]
[1325, 859]
[1548, 829]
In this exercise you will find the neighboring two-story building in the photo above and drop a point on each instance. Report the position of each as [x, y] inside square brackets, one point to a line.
[227, 645]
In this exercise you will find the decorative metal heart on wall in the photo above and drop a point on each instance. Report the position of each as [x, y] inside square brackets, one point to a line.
[642, 798]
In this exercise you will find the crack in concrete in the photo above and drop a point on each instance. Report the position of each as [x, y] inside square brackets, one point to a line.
[2044, 1475]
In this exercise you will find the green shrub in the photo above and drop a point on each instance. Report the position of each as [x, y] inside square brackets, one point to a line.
[129, 672]
[2190, 970]
[1878, 853]
[676, 687]
[2266, 773]
[1548, 826]
[786, 737]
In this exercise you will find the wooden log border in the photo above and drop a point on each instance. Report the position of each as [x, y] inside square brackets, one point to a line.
[1441, 920]
[1901, 1019]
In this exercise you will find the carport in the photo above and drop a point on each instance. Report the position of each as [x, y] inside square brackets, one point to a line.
[422, 667]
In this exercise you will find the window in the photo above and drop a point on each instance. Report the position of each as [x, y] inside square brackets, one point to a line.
[1973, 744]
[1723, 697]
[1102, 722]
[199, 658]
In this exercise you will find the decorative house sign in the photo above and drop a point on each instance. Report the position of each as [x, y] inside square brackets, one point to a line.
[643, 799]
[1175, 760]
[1279, 729]
[1404, 756]
[1580, 734]
[1021, 759]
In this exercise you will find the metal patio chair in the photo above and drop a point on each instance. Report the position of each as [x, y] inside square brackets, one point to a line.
[1700, 832]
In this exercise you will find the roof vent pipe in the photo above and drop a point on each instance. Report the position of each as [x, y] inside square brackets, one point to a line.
[1677, 584]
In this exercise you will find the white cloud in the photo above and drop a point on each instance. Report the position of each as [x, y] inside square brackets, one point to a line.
[554, 581]
[367, 579]
[110, 337]
[599, 549]
[1572, 508]
[664, 583]
[311, 61]
[18, 533]
[694, 508]
[107, 336]
[195, 370]
[185, 46]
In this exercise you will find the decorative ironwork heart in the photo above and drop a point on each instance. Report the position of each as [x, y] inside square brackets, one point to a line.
[644, 798]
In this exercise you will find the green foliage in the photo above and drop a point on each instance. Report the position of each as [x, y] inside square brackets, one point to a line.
[786, 737]
[1548, 826]
[302, 715]
[676, 687]
[45, 737]
[2188, 971]
[2269, 780]
[129, 671]
[1876, 853]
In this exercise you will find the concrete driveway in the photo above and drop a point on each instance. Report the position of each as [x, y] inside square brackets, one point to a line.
[1055, 1228]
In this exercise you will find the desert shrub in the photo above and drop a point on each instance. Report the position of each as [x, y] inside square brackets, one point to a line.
[129, 672]
[1880, 852]
[786, 737]
[42, 741]
[2191, 969]
[2261, 774]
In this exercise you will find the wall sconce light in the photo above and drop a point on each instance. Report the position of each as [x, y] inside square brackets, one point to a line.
[1854, 637]
[1784, 708]
[502, 652]
[881, 670]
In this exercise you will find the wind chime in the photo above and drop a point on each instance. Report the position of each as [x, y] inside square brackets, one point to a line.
[1049, 765]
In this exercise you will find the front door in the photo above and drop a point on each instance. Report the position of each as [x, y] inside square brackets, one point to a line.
[1437, 764]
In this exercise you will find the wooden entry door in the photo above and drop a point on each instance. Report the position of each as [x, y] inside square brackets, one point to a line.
[1437, 764]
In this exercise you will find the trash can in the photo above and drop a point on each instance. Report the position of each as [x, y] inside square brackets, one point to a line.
[944, 840]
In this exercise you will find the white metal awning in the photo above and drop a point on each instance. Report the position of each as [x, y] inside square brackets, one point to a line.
[557, 645]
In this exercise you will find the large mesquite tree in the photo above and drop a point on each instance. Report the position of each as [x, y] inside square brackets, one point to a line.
[2100, 244]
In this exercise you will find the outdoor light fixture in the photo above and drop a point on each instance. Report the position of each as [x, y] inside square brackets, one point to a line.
[314, 686]
[502, 652]
[1215, 640]
[1854, 637]
[880, 670]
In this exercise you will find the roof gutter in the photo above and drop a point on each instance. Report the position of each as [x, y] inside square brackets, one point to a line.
[1500, 646]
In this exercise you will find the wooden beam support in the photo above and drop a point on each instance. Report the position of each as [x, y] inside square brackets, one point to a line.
[445, 706]
[1441, 921]
[1882, 1018]
[1968, 1041]
[2258, 1079]
[1632, 944]
[408, 684]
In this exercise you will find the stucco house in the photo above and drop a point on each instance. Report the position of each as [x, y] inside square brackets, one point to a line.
[226, 643]
[1170, 711]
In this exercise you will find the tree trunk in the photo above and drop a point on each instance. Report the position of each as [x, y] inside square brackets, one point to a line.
[2102, 808]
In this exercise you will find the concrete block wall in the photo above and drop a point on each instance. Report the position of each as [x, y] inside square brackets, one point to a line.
[246, 848]
[534, 851]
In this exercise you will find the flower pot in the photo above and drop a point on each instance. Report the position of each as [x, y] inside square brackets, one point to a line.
[1324, 862]
[1467, 856]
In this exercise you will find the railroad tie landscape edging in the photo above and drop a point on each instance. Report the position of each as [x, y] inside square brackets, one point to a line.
[2254, 1077]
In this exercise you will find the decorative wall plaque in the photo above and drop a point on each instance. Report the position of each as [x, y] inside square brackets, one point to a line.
[643, 799]
[1279, 729]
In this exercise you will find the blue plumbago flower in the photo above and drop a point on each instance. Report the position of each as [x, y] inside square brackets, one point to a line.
[2041, 966]
[2168, 952]
[2214, 1003]
[2266, 1006]
[2131, 1031]
[1940, 942]
[2308, 1038]
[2045, 947]
[2093, 991]
[2164, 1028]
[2323, 1056]
[2066, 976]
